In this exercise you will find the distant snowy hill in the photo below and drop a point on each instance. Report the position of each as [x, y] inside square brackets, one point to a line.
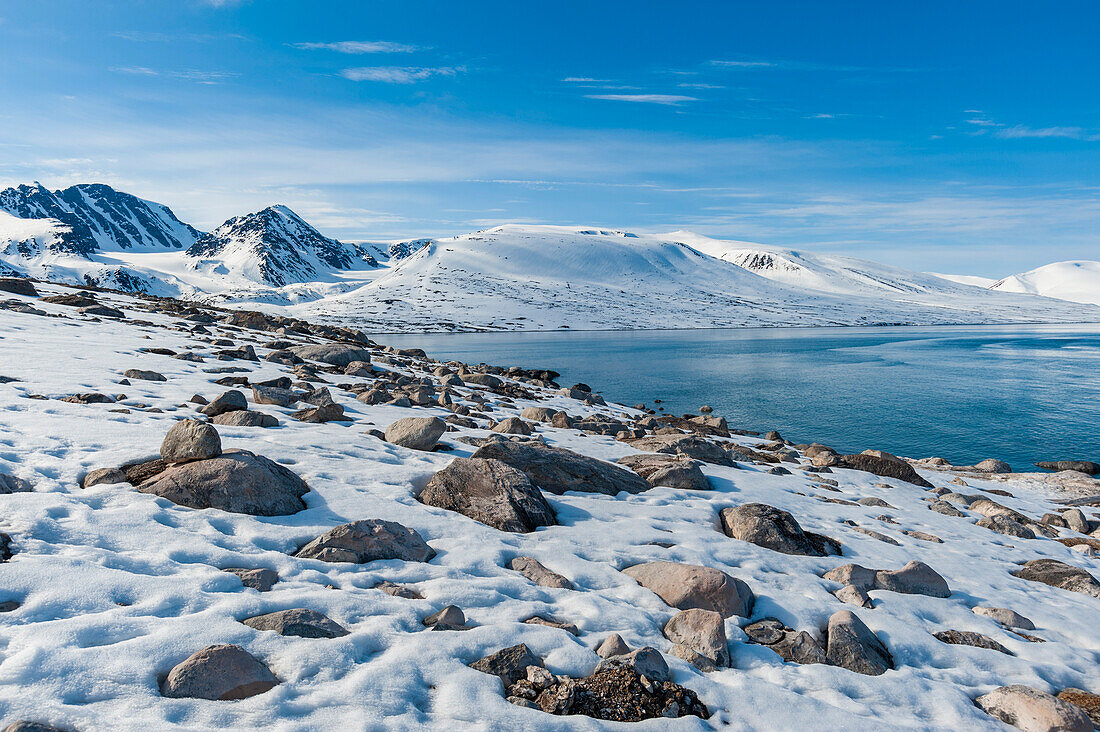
[1077, 281]
[512, 277]
[275, 247]
[972, 280]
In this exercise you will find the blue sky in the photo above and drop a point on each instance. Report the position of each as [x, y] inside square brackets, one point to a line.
[947, 136]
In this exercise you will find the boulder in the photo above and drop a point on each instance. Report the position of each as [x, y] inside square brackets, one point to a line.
[992, 465]
[611, 646]
[329, 412]
[1005, 525]
[11, 484]
[1032, 710]
[538, 414]
[703, 631]
[645, 661]
[1081, 466]
[416, 433]
[18, 286]
[853, 595]
[368, 540]
[486, 380]
[450, 617]
[188, 440]
[885, 467]
[510, 664]
[558, 470]
[512, 426]
[793, 646]
[219, 672]
[687, 586]
[227, 402]
[1059, 574]
[1007, 618]
[491, 492]
[970, 638]
[671, 471]
[533, 570]
[245, 418]
[141, 375]
[915, 578]
[775, 529]
[237, 481]
[690, 446]
[334, 354]
[261, 579]
[273, 395]
[100, 476]
[298, 622]
[853, 646]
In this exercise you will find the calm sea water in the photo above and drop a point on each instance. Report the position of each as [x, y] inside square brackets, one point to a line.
[1018, 393]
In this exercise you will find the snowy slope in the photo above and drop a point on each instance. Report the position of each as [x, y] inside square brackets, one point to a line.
[114, 587]
[550, 277]
[1077, 281]
[972, 280]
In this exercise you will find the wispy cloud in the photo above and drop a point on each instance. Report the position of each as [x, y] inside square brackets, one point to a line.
[157, 37]
[671, 100]
[585, 80]
[1021, 131]
[194, 75]
[689, 85]
[357, 47]
[399, 74]
[744, 64]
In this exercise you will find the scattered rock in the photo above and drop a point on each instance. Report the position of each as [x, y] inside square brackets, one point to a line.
[449, 618]
[853, 595]
[1081, 466]
[416, 433]
[100, 476]
[246, 418]
[403, 591]
[922, 536]
[915, 578]
[298, 622]
[1005, 525]
[261, 579]
[510, 664]
[557, 470]
[611, 646]
[775, 529]
[144, 375]
[1059, 574]
[883, 466]
[273, 395]
[229, 401]
[219, 672]
[690, 446]
[672, 471]
[1032, 710]
[551, 623]
[703, 631]
[512, 426]
[334, 354]
[645, 661]
[538, 414]
[11, 484]
[237, 481]
[1004, 616]
[189, 440]
[330, 412]
[489, 491]
[793, 646]
[621, 695]
[970, 638]
[18, 286]
[853, 646]
[366, 541]
[533, 570]
[992, 465]
[687, 586]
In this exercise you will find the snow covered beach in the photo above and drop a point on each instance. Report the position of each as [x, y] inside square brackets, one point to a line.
[113, 587]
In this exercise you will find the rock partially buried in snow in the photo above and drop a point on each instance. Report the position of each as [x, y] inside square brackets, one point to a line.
[226, 402]
[237, 481]
[687, 445]
[141, 375]
[512, 426]
[1059, 574]
[883, 466]
[703, 631]
[775, 529]
[24, 725]
[333, 354]
[970, 638]
[273, 395]
[533, 570]
[489, 491]
[611, 646]
[1007, 618]
[915, 578]
[246, 418]
[687, 586]
[510, 664]
[853, 646]
[189, 440]
[672, 471]
[11, 484]
[646, 661]
[261, 579]
[298, 622]
[1081, 466]
[416, 433]
[221, 672]
[1032, 710]
[558, 470]
[100, 476]
[366, 541]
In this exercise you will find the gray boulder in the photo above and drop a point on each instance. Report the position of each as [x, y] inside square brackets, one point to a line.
[558, 470]
[672, 471]
[1081, 466]
[611, 646]
[775, 529]
[688, 445]
[646, 662]
[416, 433]
[368, 540]
[1033, 711]
[491, 492]
[246, 418]
[486, 380]
[970, 638]
[853, 646]
[703, 631]
[334, 354]
[273, 395]
[237, 481]
[188, 440]
[538, 414]
[1007, 618]
[227, 402]
[512, 426]
[11, 484]
[219, 672]
[141, 375]
[687, 586]
[299, 622]
[915, 578]
[534, 570]
[510, 664]
[262, 579]
[1059, 574]
[885, 467]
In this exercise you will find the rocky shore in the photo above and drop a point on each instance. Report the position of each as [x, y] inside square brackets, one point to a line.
[225, 518]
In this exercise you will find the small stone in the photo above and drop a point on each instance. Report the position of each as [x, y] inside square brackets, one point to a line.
[533, 570]
[297, 622]
[261, 579]
[367, 541]
[704, 631]
[853, 595]
[1007, 618]
[970, 638]
[612, 645]
[144, 375]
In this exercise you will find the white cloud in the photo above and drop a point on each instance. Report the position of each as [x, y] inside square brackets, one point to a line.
[358, 47]
[195, 75]
[399, 74]
[1021, 131]
[745, 64]
[671, 100]
[585, 80]
[689, 85]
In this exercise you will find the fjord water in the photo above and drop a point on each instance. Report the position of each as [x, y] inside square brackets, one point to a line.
[1018, 393]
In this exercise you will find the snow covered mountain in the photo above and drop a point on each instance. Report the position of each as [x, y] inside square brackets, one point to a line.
[100, 218]
[1077, 281]
[518, 277]
[972, 280]
[512, 277]
[275, 247]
